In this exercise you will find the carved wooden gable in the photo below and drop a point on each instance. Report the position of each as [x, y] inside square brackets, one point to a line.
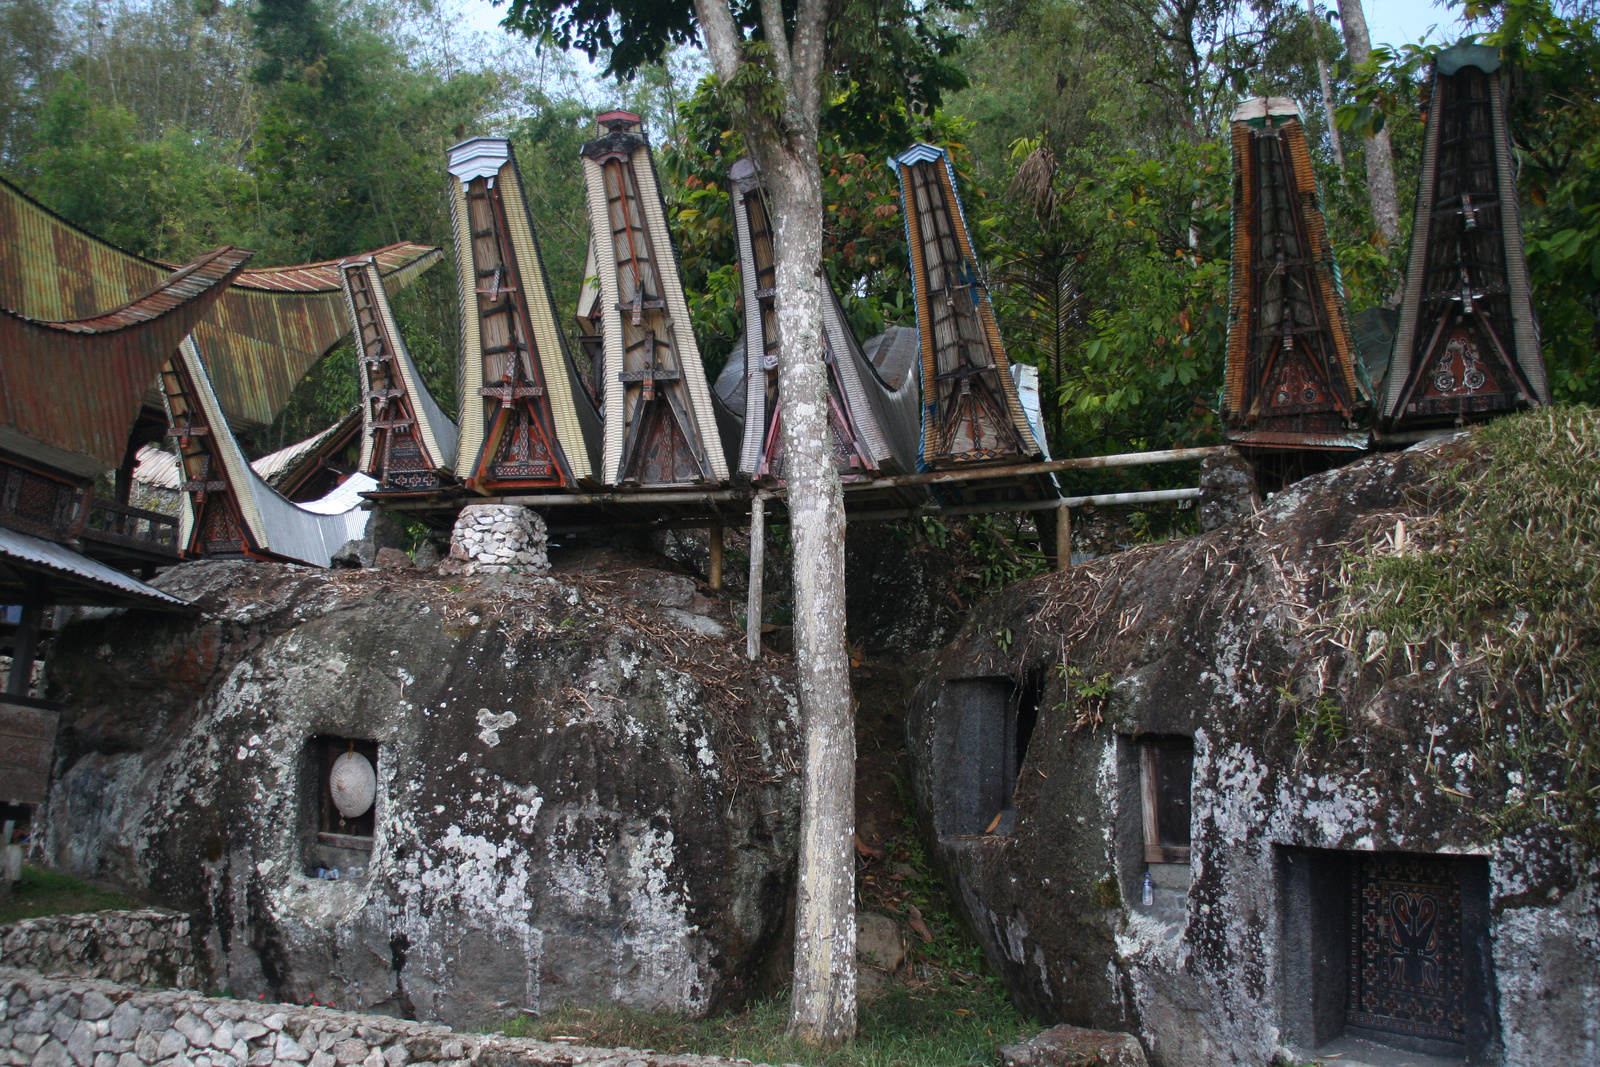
[1293, 377]
[1468, 344]
[659, 425]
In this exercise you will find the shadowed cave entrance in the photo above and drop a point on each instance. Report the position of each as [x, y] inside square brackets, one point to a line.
[979, 746]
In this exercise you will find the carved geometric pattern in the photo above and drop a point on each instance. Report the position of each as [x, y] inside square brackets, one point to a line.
[1407, 961]
[219, 530]
[38, 505]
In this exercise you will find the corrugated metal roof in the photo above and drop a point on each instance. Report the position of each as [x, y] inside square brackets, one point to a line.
[158, 467]
[285, 460]
[90, 581]
[261, 338]
[70, 391]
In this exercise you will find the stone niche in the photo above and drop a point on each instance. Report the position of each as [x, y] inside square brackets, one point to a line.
[980, 742]
[336, 846]
[1389, 949]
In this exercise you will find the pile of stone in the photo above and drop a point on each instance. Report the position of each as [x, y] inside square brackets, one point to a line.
[146, 947]
[490, 538]
[80, 1023]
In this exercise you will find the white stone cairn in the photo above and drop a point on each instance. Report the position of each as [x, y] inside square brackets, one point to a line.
[491, 538]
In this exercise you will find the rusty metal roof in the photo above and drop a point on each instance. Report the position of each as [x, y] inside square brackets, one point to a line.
[70, 390]
[71, 578]
[268, 329]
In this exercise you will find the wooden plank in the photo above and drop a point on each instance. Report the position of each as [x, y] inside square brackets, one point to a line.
[27, 745]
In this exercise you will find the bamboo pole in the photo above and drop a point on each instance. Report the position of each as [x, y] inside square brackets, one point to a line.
[714, 579]
[1063, 536]
[758, 551]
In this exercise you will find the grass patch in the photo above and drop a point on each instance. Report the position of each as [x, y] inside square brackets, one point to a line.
[1498, 579]
[41, 892]
[942, 1023]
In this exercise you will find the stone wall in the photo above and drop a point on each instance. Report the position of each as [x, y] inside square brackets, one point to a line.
[146, 947]
[47, 1022]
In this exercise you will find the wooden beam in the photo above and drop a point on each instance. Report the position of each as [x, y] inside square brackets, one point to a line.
[1063, 537]
[24, 646]
[714, 579]
[758, 551]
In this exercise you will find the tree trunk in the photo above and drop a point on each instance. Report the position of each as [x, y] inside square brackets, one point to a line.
[824, 993]
[823, 1001]
[1380, 156]
[1327, 92]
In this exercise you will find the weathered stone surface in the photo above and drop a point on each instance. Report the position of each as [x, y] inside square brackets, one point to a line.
[577, 799]
[145, 947]
[1230, 491]
[1070, 1046]
[878, 941]
[383, 1041]
[392, 559]
[1196, 639]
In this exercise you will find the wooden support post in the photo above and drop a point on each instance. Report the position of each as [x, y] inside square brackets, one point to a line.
[1063, 537]
[23, 647]
[715, 577]
[758, 563]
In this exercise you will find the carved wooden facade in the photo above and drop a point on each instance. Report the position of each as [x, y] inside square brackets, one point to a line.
[1294, 377]
[1467, 345]
[226, 507]
[864, 444]
[659, 425]
[408, 444]
[971, 413]
[526, 419]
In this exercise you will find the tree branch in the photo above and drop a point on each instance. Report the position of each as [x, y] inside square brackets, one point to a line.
[778, 38]
[722, 37]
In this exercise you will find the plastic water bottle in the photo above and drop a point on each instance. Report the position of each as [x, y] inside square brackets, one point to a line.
[1149, 890]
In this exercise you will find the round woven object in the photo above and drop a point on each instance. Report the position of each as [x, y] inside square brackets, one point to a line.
[353, 784]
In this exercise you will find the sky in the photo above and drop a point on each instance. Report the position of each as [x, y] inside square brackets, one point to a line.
[1391, 22]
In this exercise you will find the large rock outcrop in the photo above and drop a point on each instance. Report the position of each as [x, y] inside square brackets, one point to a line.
[1052, 744]
[580, 796]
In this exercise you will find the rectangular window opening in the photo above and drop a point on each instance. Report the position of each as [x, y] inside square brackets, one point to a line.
[341, 805]
[1166, 767]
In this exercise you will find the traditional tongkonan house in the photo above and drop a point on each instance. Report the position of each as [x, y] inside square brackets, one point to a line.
[408, 444]
[70, 393]
[1294, 378]
[971, 412]
[874, 427]
[660, 428]
[1467, 346]
[526, 417]
[226, 509]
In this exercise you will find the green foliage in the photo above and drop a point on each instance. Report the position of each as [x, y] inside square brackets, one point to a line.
[1084, 695]
[41, 892]
[1319, 719]
[949, 1023]
[1500, 582]
[168, 197]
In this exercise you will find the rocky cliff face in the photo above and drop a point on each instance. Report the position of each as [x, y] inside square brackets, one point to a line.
[1033, 739]
[581, 795]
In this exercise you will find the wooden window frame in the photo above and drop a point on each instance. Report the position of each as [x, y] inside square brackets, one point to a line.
[1154, 850]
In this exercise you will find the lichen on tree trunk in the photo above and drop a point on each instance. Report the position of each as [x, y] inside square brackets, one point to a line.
[785, 146]
[1380, 156]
